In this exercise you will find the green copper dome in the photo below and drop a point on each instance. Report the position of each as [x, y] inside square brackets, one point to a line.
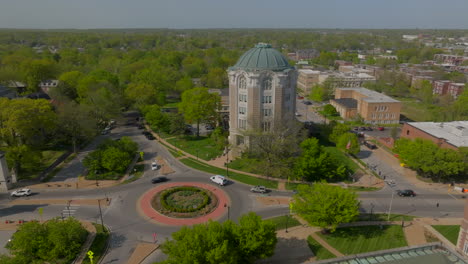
[262, 57]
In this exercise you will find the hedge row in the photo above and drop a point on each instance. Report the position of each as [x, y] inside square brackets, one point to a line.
[169, 207]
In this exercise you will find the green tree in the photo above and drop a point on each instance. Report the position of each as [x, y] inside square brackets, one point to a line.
[184, 84]
[247, 242]
[337, 131]
[141, 94]
[199, 105]
[315, 164]
[36, 71]
[349, 143]
[157, 119]
[216, 78]
[325, 206]
[115, 160]
[330, 110]
[317, 93]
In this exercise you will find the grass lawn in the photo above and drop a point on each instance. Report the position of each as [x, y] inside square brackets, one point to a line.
[202, 147]
[416, 111]
[136, 174]
[193, 163]
[384, 217]
[341, 158]
[280, 221]
[362, 189]
[30, 170]
[361, 239]
[99, 244]
[450, 232]
[319, 251]
[244, 164]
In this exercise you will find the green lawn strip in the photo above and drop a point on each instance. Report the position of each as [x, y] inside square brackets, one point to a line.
[361, 239]
[342, 158]
[362, 188]
[319, 251]
[384, 217]
[450, 232]
[193, 163]
[32, 168]
[244, 164]
[99, 244]
[136, 174]
[203, 147]
[282, 221]
[174, 153]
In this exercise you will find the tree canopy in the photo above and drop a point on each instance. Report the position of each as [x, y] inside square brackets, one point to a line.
[250, 240]
[325, 206]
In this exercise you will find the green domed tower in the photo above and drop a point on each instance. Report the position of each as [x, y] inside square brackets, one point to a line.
[262, 89]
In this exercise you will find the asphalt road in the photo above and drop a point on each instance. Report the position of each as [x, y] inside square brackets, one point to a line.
[129, 227]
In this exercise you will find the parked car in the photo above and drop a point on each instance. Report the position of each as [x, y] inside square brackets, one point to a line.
[154, 165]
[104, 132]
[381, 128]
[370, 145]
[362, 128]
[369, 129]
[159, 179]
[297, 114]
[20, 193]
[259, 189]
[140, 126]
[150, 136]
[307, 102]
[209, 127]
[218, 179]
[146, 132]
[402, 193]
[356, 128]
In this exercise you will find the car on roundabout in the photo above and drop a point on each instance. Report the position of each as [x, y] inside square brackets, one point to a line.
[159, 179]
[21, 193]
[218, 179]
[259, 189]
[154, 165]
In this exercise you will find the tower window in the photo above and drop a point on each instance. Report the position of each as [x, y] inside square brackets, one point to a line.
[242, 83]
[266, 99]
[266, 84]
[266, 126]
[242, 110]
[267, 112]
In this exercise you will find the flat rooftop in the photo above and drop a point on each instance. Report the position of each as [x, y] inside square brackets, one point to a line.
[455, 133]
[347, 102]
[372, 96]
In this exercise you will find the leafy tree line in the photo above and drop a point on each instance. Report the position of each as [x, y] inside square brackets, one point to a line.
[249, 240]
[111, 157]
[429, 160]
[55, 241]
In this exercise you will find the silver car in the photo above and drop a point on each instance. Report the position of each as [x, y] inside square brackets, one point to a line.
[22, 192]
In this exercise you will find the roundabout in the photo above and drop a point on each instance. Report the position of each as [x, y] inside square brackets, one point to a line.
[183, 203]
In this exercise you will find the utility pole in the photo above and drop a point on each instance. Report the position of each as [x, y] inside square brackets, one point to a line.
[390, 208]
[100, 213]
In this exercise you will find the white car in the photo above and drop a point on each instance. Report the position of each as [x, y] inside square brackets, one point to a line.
[218, 179]
[22, 192]
[154, 166]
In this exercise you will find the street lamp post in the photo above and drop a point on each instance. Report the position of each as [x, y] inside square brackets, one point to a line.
[390, 208]
[228, 208]
[100, 213]
[287, 220]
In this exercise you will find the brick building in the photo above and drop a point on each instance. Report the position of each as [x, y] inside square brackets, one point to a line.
[373, 107]
[455, 89]
[450, 135]
[440, 87]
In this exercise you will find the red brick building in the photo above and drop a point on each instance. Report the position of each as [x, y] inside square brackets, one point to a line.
[455, 89]
[450, 135]
[440, 87]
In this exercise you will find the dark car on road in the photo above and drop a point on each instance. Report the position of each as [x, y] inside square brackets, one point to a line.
[307, 102]
[406, 193]
[140, 126]
[369, 129]
[370, 145]
[159, 179]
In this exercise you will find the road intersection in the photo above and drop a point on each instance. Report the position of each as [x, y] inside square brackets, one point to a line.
[129, 227]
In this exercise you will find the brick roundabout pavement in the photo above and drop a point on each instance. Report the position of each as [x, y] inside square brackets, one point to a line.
[145, 207]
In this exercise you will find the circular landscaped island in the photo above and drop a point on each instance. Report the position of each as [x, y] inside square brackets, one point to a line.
[184, 202]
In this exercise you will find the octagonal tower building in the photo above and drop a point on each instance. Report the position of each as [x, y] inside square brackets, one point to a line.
[262, 89]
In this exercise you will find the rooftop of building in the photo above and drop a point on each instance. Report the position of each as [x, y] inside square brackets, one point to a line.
[372, 96]
[433, 253]
[262, 57]
[455, 132]
[309, 71]
[347, 102]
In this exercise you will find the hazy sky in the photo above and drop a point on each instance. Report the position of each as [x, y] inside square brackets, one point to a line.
[233, 13]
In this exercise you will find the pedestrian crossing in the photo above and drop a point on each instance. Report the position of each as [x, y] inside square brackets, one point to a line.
[69, 211]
